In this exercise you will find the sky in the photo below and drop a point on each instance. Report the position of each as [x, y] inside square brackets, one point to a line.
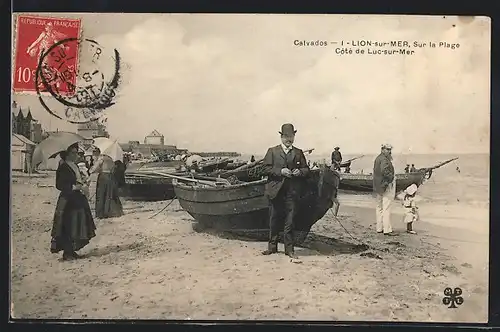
[212, 82]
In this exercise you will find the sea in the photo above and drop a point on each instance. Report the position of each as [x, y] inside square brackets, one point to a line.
[457, 194]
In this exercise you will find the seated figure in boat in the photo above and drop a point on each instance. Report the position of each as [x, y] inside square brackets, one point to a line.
[286, 167]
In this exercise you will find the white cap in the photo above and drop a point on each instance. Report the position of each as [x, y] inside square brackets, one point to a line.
[387, 146]
[411, 189]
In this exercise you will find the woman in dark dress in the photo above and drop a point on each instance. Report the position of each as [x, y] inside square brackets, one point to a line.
[73, 225]
[107, 200]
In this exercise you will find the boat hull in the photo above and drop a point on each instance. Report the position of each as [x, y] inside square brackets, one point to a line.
[243, 209]
[143, 188]
[364, 182]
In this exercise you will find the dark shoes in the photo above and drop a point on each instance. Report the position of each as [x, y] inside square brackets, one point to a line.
[390, 234]
[269, 252]
[71, 256]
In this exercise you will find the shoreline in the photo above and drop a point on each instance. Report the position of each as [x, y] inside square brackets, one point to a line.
[159, 268]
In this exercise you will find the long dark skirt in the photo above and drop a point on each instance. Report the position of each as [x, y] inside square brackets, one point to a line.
[73, 225]
[107, 200]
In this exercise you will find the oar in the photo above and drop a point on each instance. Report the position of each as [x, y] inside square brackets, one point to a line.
[181, 178]
[443, 163]
[145, 174]
[348, 162]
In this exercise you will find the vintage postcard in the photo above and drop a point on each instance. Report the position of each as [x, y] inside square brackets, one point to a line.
[253, 167]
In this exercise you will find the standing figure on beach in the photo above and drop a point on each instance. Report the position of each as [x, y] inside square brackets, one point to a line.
[407, 168]
[336, 158]
[411, 208]
[286, 168]
[384, 186]
[335, 200]
[119, 173]
[73, 225]
[413, 169]
[107, 201]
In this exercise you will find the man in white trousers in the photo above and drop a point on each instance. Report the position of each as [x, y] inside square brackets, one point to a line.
[384, 186]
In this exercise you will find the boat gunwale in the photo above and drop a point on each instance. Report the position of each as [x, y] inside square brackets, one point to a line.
[232, 186]
[353, 176]
[181, 185]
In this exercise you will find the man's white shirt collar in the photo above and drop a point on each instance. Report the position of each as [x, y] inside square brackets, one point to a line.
[285, 149]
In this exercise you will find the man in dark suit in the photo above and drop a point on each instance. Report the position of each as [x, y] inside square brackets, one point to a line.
[286, 167]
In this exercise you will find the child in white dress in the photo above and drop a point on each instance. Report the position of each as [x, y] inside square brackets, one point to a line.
[411, 208]
[85, 178]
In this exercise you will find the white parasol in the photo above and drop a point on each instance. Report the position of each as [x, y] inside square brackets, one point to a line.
[54, 144]
[109, 148]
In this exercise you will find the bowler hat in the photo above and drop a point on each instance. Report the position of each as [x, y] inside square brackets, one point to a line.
[287, 129]
[337, 148]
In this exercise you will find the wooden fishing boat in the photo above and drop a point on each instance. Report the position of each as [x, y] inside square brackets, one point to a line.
[242, 209]
[364, 182]
[233, 164]
[208, 166]
[141, 183]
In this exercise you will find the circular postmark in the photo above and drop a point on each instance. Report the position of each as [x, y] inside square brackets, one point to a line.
[74, 89]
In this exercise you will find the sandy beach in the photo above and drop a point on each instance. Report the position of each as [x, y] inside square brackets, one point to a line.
[140, 267]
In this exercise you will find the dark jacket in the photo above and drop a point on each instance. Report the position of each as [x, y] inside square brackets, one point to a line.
[383, 173]
[119, 173]
[69, 199]
[275, 160]
[336, 157]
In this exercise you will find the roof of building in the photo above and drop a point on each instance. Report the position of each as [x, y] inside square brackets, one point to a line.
[24, 112]
[23, 139]
[155, 133]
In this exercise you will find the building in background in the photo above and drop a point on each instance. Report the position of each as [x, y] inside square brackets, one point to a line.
[155, 138]
[21, 153]
[24, 124]
[154, 145]
[92, 129]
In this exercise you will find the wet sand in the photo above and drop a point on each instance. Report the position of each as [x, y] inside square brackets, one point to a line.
[159, 268]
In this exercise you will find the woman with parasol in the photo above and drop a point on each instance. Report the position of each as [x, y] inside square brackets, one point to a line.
[73, 225]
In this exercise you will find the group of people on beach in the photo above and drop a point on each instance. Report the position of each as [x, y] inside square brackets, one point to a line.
[286, 169]
[73, 223]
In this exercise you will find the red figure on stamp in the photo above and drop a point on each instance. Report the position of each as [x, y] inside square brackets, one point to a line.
[36, 35]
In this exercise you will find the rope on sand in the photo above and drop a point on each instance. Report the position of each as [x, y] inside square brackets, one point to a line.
[166, 206]
[355, 239]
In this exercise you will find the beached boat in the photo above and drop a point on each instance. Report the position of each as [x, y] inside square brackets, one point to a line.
[142, 182]
[242, 208]
[364, 182]
[211, 165]
[233, 164]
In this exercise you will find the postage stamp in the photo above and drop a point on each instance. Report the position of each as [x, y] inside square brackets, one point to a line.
[82, 96]
[34, 36]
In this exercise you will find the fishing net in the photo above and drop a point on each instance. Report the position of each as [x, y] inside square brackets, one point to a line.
[256, 172]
